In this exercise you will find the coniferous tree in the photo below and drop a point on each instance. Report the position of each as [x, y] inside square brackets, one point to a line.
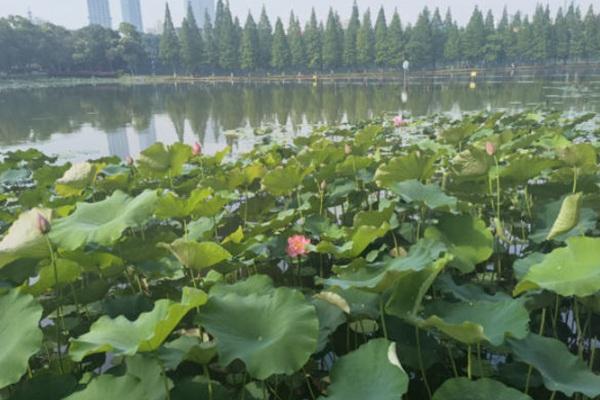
[280, 55]
[503, 35]
[250, 49]
[192, 47]
[350, 44]
[211, 52]
[524, 41]
[540, 45]
[227, 41]
[395, 42]
[453, 46]
[296, 42]
[591, 29]
[576, 35]
[313, 42]
[438, 37]
[493, 42]
[420, 45]
[365, 42]
[265, 39]
[561, 35]
[474, 38]
[381, 39]
[332, 45]
[169, 43]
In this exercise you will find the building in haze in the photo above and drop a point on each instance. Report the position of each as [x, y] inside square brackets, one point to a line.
[132, 13]
[200, 8]
[99, 13]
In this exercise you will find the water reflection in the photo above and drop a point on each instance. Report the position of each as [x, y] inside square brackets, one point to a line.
[72, 121]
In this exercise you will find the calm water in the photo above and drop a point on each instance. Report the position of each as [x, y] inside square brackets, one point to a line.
[92, 121]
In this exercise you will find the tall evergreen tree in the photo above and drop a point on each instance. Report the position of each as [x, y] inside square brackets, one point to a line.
[493, 42]
[192, 47]
[365, 42]
[381, 39]
[265, 39]
[576, 34]
[474, 38]
[296, 42]
[280, 55]
[561, 35]
[169, 43]
[332, 42]
[350, 45]
[524, 41]
[211, 52]
[591, 32]
[313, 42]
[540, 46]
[395, 42]
[227, 32]
[249, 50]
[438, 37]
[420, 45]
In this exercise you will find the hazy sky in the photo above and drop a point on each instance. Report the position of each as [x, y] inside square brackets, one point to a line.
[73, 13]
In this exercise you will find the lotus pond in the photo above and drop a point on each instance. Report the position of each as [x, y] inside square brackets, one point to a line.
[433, 258]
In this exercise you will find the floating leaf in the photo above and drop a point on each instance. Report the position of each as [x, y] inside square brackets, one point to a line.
[121, 336]
[482, 389]
[272, 333]
[569, 271]
[24, 238]
[20, 334]
[560, 370]
[103, 222]
[196, 255]
[371, 372]
[467, 237]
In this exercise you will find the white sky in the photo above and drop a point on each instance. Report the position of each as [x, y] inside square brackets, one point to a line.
[73, 13]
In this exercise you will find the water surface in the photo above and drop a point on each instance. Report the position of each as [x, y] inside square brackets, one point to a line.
[92, 121]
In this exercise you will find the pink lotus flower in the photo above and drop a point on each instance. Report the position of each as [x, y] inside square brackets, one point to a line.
[399, 121]
[297, 246]
[490, 148]
[197, 149]
[43, 224]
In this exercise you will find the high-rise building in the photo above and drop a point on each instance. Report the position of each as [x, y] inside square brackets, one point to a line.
[132, 13]
[200, 8]
[99, 13]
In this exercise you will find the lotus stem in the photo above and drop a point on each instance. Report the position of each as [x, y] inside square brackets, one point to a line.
[452, 362]
[421, 365]
[382, 317]
[469, 371]
[58, 307]
[530, 369]
[210, 387]
[310, 390]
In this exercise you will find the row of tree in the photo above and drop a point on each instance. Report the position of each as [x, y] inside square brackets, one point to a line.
[224, 46]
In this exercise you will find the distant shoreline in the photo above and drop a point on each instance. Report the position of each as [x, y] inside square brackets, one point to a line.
[421, 76]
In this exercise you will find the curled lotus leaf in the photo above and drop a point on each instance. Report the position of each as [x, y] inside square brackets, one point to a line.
[24, 239]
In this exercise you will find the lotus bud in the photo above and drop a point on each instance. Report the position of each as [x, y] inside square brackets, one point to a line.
[197, 149]
[43, 225]
[323, 186]
[347, 149]
[399, 121]
[490, 148]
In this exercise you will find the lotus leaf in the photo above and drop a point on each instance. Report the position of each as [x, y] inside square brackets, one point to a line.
[24, 238]
[196, 255]
[272, 333]
[371, 372]
[569, 271]
[416, 165]
[103, 222]
[482, 389]
[20, 334]
[431, 195]
[160, 161]
[121, 336]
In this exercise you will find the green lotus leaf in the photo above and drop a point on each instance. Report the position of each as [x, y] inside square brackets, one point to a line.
[431, 195]
[524, 167]
[24, 238]
[549, 214]
[476, 322]
[104, 222]
[284, 180]
[172, 206]
[144, 380]
[472, 163]
[371, 218]
[568, 216]
[256, 284]
[467, 238]
[582, 156]
[457, 134]
[371, 372]
[569, 271]
[482, 389]
[46, 387]
[76, 179]
[12, 177]
[409, 290]
[273, 333]
[362, 237]
[330, 318]
[379, 277]
[187, 348]
[196, 255]
[199, 389]
[124, 337]
[200, 228]
[415, 165]
[560, 369]
[159, 161]
[20, 334]
[522, 266]
[67, 271]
